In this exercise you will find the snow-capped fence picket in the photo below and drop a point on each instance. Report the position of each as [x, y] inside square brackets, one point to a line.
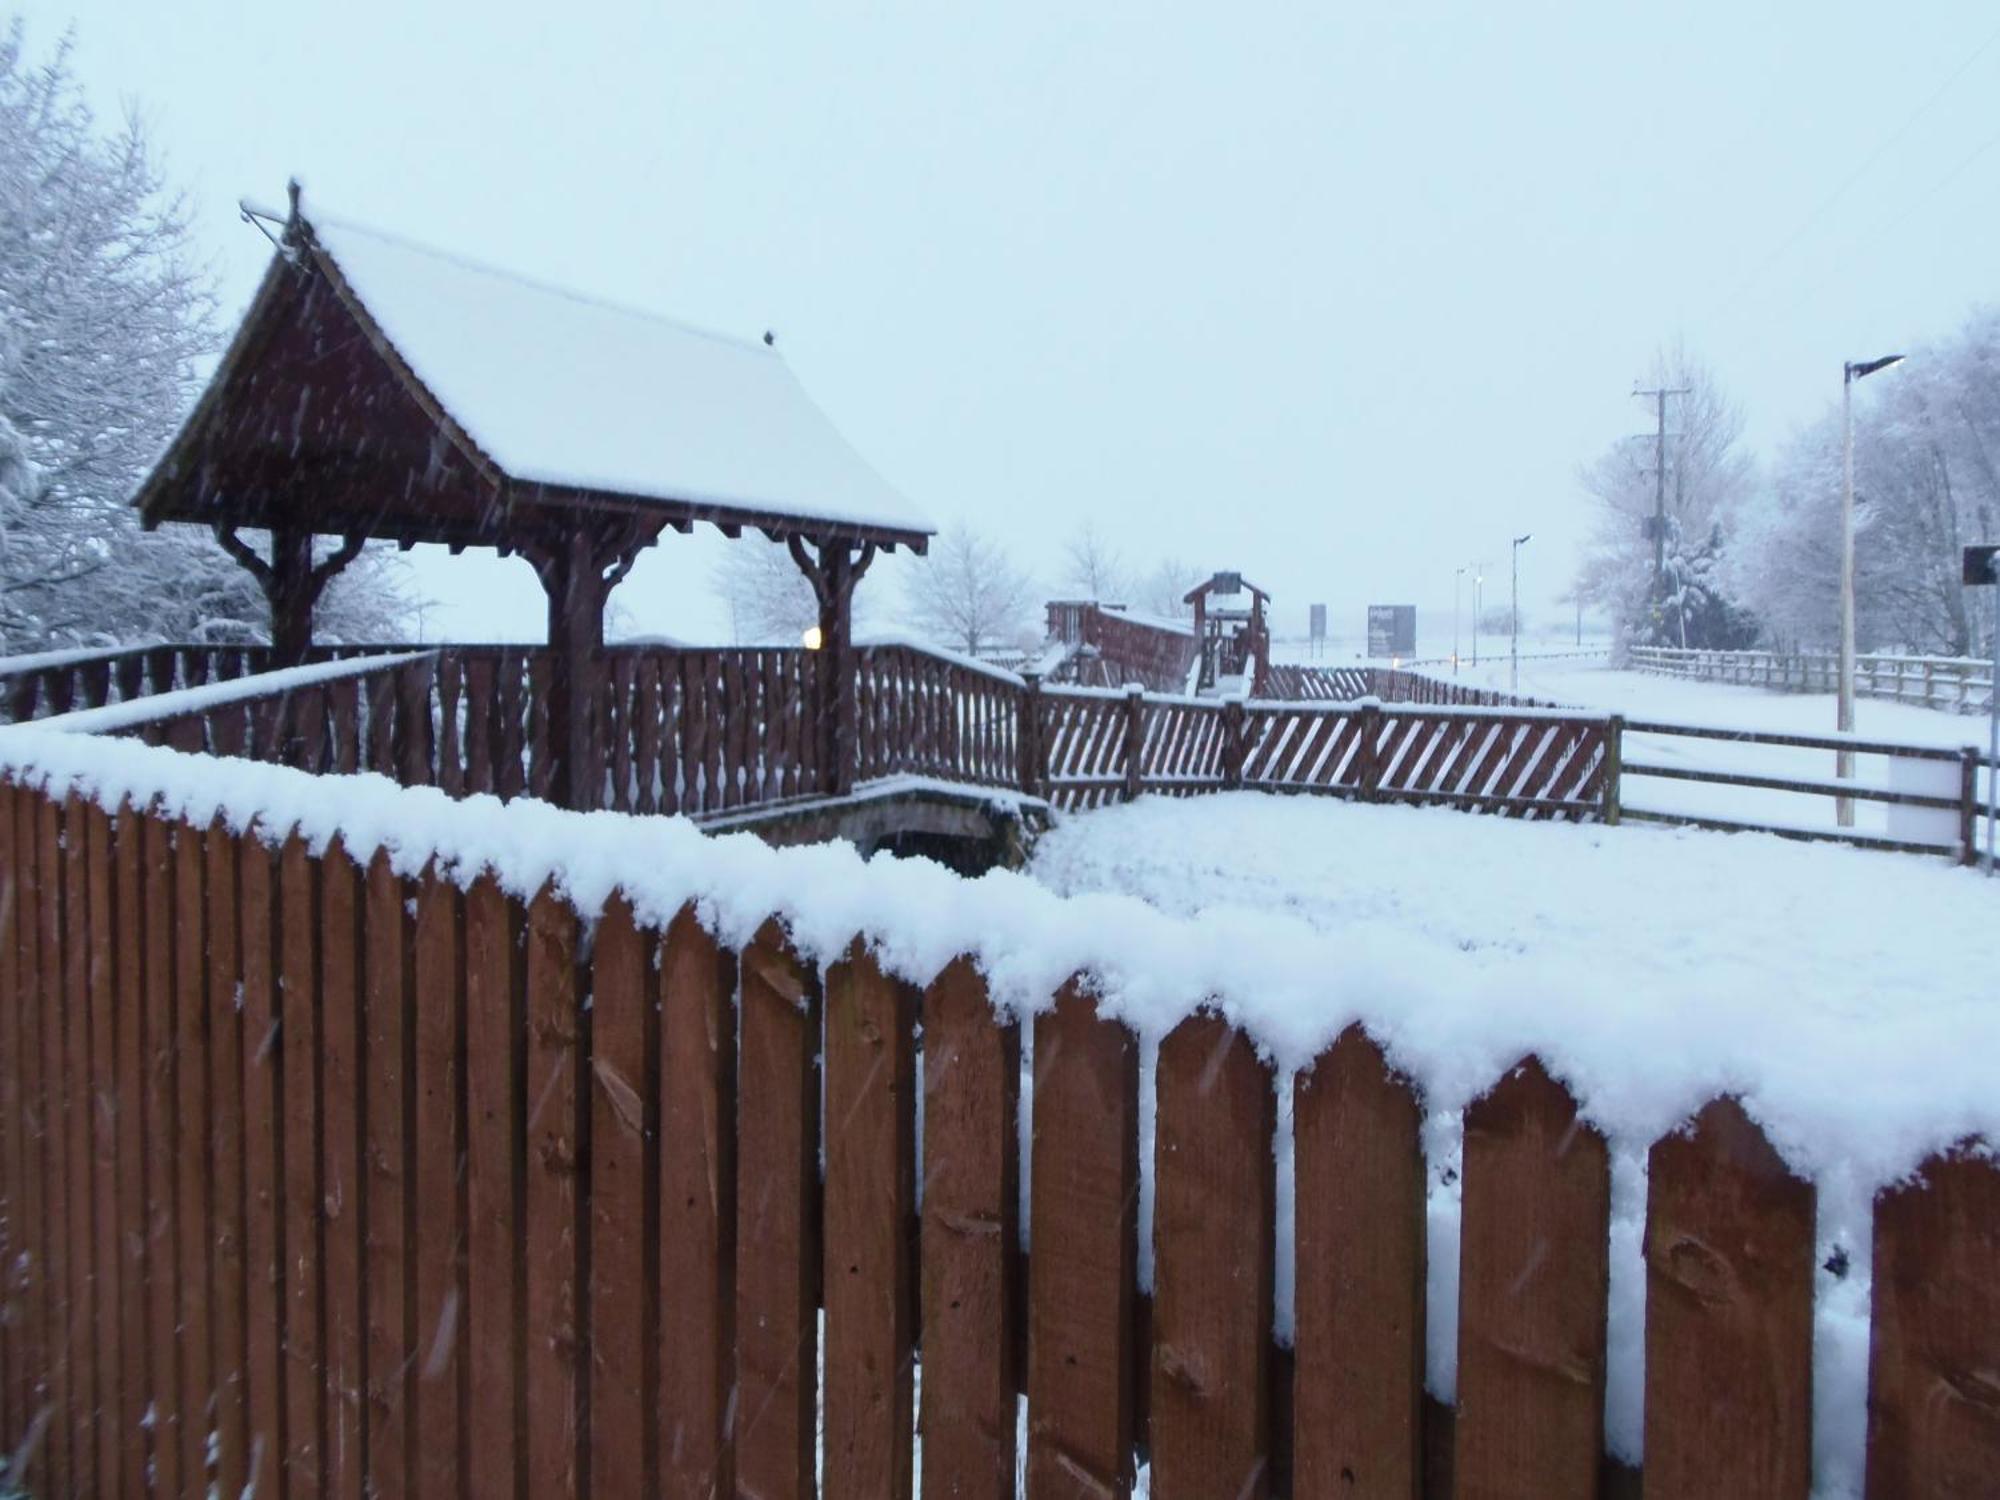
[358, 1141]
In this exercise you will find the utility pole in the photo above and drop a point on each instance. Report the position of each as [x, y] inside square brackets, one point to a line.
[1457, 578]
[1659, 522]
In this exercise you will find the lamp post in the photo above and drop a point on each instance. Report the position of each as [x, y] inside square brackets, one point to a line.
[1514, 621]
[1478, 594]
[1844, 759]
[1457, 578]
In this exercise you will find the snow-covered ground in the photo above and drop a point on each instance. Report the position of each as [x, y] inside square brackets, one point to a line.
[1851, 987]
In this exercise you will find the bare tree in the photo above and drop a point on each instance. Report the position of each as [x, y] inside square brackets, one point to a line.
[969, 594]
[1164, 592]
[1095, 570]
[768, 598]
[104, 315]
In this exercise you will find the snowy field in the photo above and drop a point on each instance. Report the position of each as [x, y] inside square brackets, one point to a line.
[1846, 994]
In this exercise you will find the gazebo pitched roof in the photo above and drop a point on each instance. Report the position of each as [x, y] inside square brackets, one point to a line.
[377, 387]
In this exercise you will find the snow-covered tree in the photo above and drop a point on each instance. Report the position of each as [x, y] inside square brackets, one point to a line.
[1926, 482]
[105, 313]
[1709, 476]
[968, 594]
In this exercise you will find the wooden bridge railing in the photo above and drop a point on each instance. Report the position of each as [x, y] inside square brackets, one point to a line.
[708, 732]
[59, 682]
[323, 1174]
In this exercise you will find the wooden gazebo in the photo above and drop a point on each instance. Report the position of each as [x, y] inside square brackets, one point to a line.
[1233, 638]
[380, 390]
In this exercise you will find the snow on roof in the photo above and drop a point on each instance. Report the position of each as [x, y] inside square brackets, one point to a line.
[565, 390]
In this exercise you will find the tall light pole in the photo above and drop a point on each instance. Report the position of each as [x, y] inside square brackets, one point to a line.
[1844, 759]
[1457, 578]
[1478, 586]
[1514, 621]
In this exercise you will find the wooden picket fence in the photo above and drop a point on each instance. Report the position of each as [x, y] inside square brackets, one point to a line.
[328, 1181]
[1103, 747]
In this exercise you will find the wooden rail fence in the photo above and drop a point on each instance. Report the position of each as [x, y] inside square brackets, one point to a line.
[333, 1181]
[1952, 683]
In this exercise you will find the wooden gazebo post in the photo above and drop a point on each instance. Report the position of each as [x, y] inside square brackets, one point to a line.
[291, 584]
[833, 573]
[578, 572]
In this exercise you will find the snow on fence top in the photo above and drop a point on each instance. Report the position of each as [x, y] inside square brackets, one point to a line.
[154, 707]
[1861, 1104]
[561, 389]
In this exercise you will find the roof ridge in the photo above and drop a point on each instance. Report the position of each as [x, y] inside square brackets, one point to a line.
[534, 283]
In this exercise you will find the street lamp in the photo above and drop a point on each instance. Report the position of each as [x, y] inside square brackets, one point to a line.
[1457, 577]
[1478, 594]
[1514, 621]
[1844, 760]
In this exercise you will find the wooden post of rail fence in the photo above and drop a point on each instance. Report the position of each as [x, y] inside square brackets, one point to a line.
[1368, 754]
[1968, 806]
[1614, 765]
[1232, 744]
[1135, 738]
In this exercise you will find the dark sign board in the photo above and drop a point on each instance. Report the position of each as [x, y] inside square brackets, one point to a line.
[1226, 583]
[1392, 630]
[1979, 565]
[1317, 614]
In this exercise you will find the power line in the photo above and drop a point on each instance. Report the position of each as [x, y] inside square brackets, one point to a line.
[1827, 205]
[1893, 221]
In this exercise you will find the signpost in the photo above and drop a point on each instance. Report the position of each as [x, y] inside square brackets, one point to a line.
[1316, 629]
[1982, 570]
[1392, 630]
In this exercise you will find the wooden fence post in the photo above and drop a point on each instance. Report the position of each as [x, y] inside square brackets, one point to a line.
[1028, 735]
[1968, 805]
[1232, 744]
[1368, 754]
[1135, 738]
[1614, 767]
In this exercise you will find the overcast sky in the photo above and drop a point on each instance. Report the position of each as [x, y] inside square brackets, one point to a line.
[1339, 299]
